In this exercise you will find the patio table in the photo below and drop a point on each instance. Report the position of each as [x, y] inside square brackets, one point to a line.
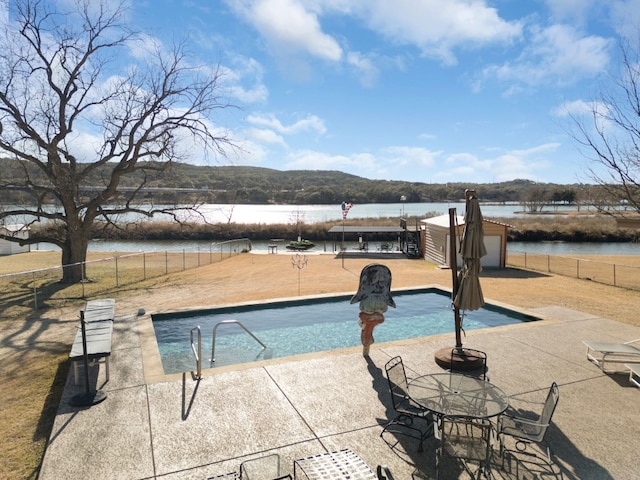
[458, 395]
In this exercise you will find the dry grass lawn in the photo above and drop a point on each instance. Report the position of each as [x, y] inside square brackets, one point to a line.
[34, 347]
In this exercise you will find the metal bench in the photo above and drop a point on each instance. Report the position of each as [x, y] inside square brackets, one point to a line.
[98, 319]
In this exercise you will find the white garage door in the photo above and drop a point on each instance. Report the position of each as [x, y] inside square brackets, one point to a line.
[492, 258]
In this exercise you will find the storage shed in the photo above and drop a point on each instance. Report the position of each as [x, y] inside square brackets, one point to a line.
[436, 232]
[8, 247]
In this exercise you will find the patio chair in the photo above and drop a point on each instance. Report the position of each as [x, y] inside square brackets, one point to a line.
[262, 468]
[343, 463]
[404, 406]
[384, 473]
[468, 360]
[634, 373]
[465, 439]
[526, 429]
[601, 352]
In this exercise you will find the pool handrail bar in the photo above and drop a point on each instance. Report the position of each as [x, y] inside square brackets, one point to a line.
[226, 322]
[197, 352]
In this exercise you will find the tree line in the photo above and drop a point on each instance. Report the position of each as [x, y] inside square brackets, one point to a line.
[190, 184]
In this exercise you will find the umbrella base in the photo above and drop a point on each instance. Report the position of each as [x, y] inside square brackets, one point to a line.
[452, 360]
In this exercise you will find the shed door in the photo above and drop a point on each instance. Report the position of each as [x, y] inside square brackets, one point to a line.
[492, 258]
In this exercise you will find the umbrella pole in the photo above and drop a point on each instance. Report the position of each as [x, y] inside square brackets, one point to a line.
[453, 265]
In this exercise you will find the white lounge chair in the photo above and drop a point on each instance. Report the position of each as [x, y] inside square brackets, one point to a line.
[602, 352]
[634, 373]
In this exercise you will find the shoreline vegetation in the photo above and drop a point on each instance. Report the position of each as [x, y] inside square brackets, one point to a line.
[559, 227]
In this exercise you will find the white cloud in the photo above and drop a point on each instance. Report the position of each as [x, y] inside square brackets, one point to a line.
[311, 123]
[578, 108]
[364, 66]
[571, 10]
[314, 160]
[409, 156]
[558, 55]
[625, 18]
[438, 27]
[288, 27]
[263, 135]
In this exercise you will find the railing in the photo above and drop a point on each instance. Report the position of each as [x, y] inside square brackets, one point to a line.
[33, 288]
[197, 352]
[227, 322]
[625, 276]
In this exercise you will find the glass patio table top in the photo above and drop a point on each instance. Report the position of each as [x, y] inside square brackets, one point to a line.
[458, 395]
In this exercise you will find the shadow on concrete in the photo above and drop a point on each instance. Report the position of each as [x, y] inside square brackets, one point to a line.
[186, 410]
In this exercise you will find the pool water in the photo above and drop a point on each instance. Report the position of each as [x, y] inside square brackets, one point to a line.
[310, 325]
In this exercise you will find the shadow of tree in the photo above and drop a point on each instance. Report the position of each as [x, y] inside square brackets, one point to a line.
[511, 273]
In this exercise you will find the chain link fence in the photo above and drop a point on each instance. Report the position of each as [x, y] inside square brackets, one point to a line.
[37, 288]
[618, 275]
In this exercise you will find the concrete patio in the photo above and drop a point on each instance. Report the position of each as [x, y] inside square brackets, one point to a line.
[178, 428]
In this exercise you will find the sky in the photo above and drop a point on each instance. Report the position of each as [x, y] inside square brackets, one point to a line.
[433, 91]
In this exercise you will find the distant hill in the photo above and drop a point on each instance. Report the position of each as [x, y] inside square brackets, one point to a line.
[245, 185]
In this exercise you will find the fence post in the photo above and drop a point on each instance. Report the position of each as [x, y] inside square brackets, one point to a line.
[578, 268]
[117, 277]
[614, 275]
[144, 266]
[549, 263]
[184, 260]
[166, 262]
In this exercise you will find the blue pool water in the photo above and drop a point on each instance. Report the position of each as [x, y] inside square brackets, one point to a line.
[310, 325]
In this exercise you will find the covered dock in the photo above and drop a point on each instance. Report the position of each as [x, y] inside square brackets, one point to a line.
[376, 238]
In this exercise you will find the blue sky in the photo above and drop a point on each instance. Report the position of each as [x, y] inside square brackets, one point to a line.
[433, 91]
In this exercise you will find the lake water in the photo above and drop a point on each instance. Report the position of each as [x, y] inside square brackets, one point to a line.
[270, 214]
[288, 214]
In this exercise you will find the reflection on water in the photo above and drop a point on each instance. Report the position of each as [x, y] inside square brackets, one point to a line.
[545, 248]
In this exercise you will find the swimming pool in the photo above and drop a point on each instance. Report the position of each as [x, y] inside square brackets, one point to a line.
[310, 325]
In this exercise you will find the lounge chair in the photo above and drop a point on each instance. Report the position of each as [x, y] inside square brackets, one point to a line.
[602, 352]
[634, 373]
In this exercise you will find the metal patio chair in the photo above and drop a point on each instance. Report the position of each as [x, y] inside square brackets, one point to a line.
[263, 468]
[472, 357]
[528, 429]
[405, 407]
[465, 439]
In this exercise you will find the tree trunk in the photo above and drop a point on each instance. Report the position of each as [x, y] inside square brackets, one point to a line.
[74, 256]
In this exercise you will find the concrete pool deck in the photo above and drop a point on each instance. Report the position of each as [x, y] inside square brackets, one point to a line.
[178, 428]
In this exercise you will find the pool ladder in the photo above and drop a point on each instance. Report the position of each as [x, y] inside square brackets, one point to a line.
[196, 348]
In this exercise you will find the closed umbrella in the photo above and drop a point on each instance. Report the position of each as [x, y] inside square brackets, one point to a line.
[472, 249]
[466, 292]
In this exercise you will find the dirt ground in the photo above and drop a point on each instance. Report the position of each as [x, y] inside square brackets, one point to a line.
[31, 349]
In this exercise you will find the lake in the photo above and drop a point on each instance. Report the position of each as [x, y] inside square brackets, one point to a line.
[288, 214]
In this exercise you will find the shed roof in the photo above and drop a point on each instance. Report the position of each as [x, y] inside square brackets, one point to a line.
[443, 221]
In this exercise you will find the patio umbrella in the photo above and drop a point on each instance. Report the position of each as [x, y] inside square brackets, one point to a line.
[469, 293]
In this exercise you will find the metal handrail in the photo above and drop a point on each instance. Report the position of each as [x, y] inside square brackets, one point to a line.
[225, 322]
[197, 353]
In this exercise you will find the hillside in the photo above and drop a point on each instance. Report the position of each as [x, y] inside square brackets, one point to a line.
[185, 183]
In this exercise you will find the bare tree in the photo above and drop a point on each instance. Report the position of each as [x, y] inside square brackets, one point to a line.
[610, 137]
[70, 113]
